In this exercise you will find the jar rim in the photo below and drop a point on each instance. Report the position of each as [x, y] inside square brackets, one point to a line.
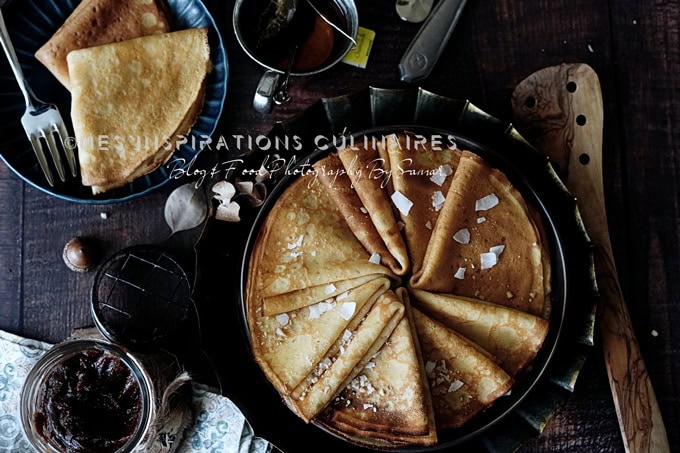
[34, 384]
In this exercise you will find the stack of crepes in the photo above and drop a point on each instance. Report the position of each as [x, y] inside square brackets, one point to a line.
[136, 88]
[397, 291]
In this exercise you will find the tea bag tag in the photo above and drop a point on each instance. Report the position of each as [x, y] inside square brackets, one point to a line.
[358, 55]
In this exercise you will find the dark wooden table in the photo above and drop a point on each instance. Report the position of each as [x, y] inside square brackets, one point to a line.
[632, 44]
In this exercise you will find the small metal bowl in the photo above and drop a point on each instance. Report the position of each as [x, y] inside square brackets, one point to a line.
[140, 296]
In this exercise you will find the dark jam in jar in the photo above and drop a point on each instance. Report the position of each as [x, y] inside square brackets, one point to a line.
[91, 403]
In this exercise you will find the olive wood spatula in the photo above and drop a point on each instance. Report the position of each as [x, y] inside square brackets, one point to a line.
[559, 109]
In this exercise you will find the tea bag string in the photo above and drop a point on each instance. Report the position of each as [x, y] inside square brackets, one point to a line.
[329, 22]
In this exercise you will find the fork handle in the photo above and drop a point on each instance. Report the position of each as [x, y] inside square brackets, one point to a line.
[14, 63]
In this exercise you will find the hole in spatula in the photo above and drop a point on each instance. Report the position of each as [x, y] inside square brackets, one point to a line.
[584, 159]
[530, 102]
[581, 120]
[571, 87]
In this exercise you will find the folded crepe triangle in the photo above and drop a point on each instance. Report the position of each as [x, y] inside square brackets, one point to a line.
[333, 176]
[290, 345]
[463, 381]
[485, 245]
[512, 336]
[423, 175]
[303, 244]
[364, 166]
[341, 365]
[132, 101]
[388, 404]
[97, 22]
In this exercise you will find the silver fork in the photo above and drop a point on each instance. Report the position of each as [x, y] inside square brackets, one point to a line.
[40, 120]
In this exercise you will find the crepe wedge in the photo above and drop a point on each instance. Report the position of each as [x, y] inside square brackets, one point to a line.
[306, 253]
[512, 336]
[347, 358]
[332, 174]
[97, 22]
[423, 175]
[131, 102]
[463, 381]
[484, 244]
[289, 346]
[365, 168]
[388, 404]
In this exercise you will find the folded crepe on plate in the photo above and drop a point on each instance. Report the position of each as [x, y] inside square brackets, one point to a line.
[512, 336]
[333, 176]
[347, 358]
[288, 346]
[485, 245]
[365, 168]
[97, 22]
[133, 100]
[388, 404]
[421, 175]
[463, 380]
[306, 253]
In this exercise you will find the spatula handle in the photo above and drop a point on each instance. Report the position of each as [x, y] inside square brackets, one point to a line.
[559, 109]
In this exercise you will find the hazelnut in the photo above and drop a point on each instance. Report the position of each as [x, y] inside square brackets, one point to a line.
[79, 255]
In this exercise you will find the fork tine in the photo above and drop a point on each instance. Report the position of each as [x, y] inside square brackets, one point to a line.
[60, 129]
[40, 154]
[54, 151]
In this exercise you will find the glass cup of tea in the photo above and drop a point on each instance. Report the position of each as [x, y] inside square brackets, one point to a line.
[293, 38]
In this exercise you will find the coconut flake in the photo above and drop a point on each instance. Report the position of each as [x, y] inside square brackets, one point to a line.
[323, 307]
[497, 250]
[375, 258]
[314, 312]
[486, 203]
[347, 310]
[460, 273]
[428, 225]
[346, 335]
[462, 236]
[330, 289]
[295, 254]
[364, 210]
[488, 260]
[279, 332]
[402, 203]
[429, 367]
[297, 243]
[455, 385]
[442, 172]
[370, 365]
[342, 296]
[481, 220]
[438, 200]
[368, 406]
[283, 319]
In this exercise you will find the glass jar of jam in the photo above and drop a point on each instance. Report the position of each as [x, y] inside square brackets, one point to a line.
[86, 396]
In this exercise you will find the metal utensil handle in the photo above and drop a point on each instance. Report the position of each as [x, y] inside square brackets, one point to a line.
[14, 62]
[428, 45]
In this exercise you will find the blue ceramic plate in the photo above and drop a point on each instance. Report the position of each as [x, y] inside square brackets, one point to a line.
[31, 24]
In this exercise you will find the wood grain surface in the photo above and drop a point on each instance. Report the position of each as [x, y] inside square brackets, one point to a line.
[561, 108]
[632, 45]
